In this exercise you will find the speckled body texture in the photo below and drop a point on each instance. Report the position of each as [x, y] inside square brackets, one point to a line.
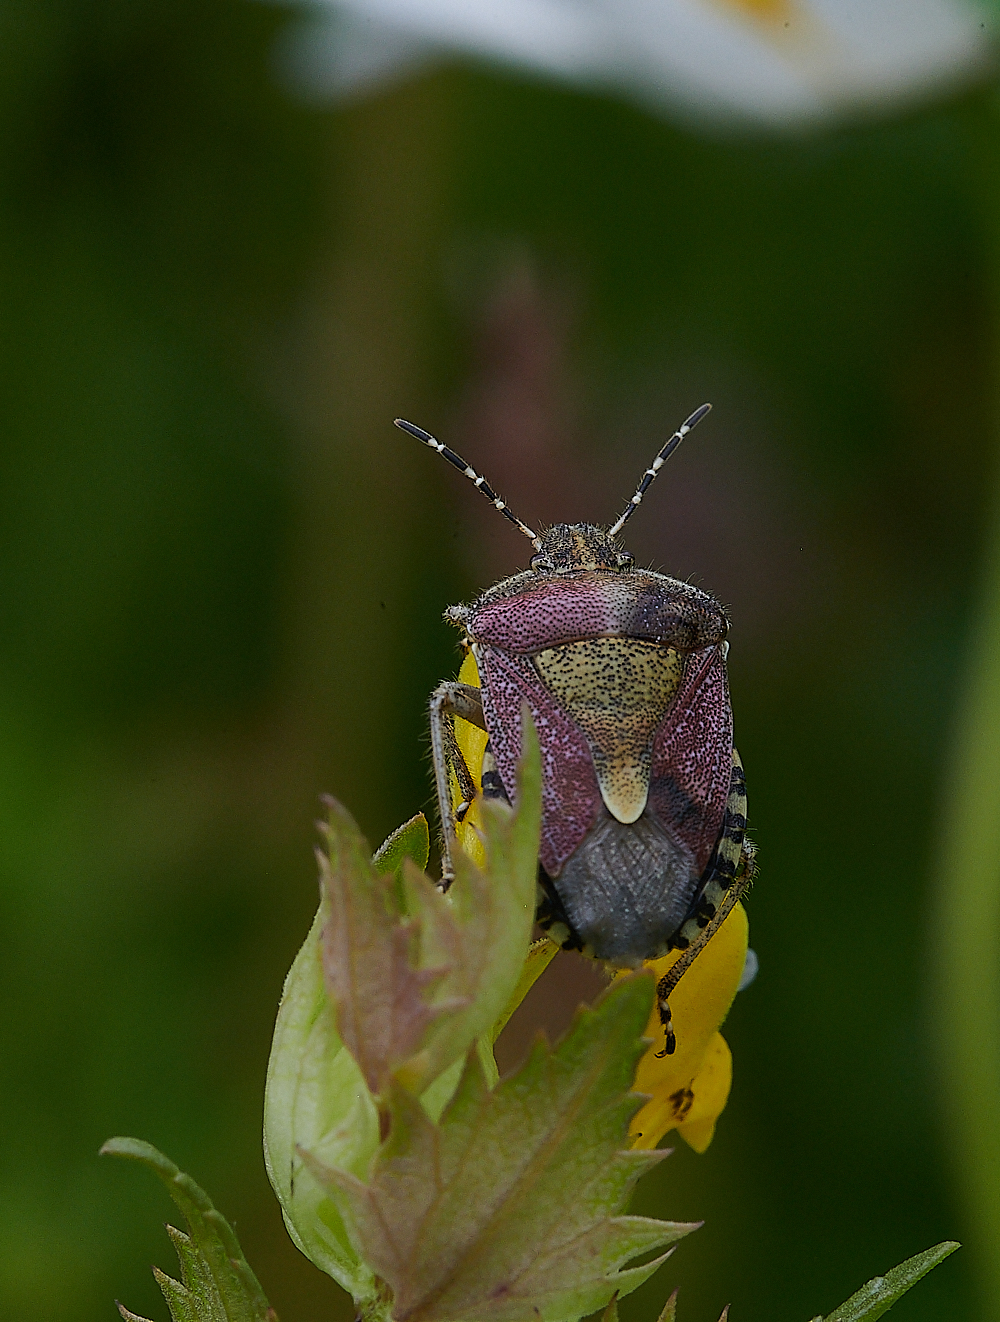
[532, 611]
[624, 674]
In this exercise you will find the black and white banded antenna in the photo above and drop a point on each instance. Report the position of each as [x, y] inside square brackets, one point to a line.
[480, 483]
[657, 464]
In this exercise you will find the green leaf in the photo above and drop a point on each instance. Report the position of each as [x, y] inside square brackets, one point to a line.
[315, 1098]
[669, 1311]
[216, 1283]
[493, 913]
[411, 840]
[879, 1295]
[375, 956]
[509, 1208]
[418, 976]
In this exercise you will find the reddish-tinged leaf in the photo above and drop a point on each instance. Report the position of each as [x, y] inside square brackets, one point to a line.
[510, 1207]
[370, 957]
[417, 976]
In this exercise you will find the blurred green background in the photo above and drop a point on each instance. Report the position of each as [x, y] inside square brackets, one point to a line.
[222, 574]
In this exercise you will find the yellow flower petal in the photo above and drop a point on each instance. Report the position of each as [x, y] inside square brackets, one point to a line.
[472, 742]
[691, 1110]
[711, 1092]
[686, 1093]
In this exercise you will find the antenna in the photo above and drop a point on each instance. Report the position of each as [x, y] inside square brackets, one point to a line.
[657, 464]
[481, 484]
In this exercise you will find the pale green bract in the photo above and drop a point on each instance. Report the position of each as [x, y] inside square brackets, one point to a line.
[316, 1099]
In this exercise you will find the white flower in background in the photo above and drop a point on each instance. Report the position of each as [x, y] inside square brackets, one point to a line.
[770, 60]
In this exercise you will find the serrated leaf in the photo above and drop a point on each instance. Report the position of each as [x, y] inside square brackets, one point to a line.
[130, 1317]
[316, 1098]
[669, 1311]
[217, 1282]
[411, 840]
[371, 957]
[181, 1303]
[880, 1293]
[509, 1207]
[492, 913]
[417, 976]
[198, 1296]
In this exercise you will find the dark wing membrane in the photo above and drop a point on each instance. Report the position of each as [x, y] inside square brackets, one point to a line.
[625, 891]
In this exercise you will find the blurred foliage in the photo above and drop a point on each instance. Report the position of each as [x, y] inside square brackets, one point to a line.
[222, 572]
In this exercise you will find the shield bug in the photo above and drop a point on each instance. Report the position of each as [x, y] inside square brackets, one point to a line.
[643, 846]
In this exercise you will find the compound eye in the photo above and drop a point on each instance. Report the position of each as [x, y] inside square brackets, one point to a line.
[542, 563]
[625, 559]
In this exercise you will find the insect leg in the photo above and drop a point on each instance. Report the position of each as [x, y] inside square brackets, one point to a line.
[725, 863]
[667, 1024]
[449, 700]
[673, 976]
